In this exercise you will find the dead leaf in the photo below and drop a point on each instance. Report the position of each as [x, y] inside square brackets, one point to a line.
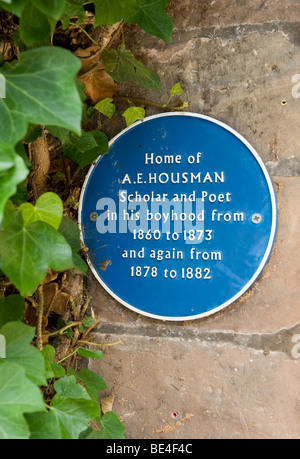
[51, 276]
[89, 57]
[98, 84]
[31, 317]
[55, 300]
[49, 292]
[107, 403]
[60, 303]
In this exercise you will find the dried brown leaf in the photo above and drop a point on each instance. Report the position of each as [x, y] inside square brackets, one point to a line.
[98, 84]
[51, 276]
[55, 300]
[60, 303]
[107, 403]
[89, 57]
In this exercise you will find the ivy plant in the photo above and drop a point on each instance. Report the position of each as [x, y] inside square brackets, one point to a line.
[40, 396]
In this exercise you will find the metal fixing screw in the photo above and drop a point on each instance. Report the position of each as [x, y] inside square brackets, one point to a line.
[93, 216]
[256, 218]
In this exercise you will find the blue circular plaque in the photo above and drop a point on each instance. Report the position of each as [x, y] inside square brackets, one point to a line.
[179, 218]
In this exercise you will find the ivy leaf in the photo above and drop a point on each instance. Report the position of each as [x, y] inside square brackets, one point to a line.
[12, 172]
[89, 354]
[43, 426]
[122, 67]
[111, 428]
[14, 6]
[11, 309]
[53, 8]
[38, 20]
[33, 133]
[30, 100]
[69, 229]
[18, 337]
[149, 15]
[108, 12]
[48, 209]
[67, 387]
[18, 395]
[35, 26]
[53, 370]
[72, 415]
[93, 382]
[106, 107]
[133, 114]
[26, 253]
[82, 150]
[176, 90]
[152, 17]
[72, 8]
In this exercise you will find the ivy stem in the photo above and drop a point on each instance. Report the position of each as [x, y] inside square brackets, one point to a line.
[101, 345]
[40, 312]
[61, 330]
[67, 356]
[147, 102]
[87, 34]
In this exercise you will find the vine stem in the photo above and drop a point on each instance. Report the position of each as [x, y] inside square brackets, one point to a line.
[88, 35]
[67, 356]
[148, 102]
[101, 345]
[61, 330]
[40, 312]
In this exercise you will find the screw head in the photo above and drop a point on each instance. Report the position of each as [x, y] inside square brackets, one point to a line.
[256, 219]
[93, 216]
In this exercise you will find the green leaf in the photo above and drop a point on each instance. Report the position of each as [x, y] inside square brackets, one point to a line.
[33, 133]
[18, 395]
[133, 114]
[73, 415]
[123, 67]
[18, 337]
[93, 382]
[89, 354]
[68, 388]
[40, 89]
[87, 322]
[72, 8]
[26, 253]
[48, 209]
[15, 6]
[11, 309]
[111, 428]
[49, 355]
[84, 142]
[43, 426]
[81, 151]
[35, 26]
[176, 90]
[60, 133]
[149, 15]
[69, 229]
[12, 172]
[108, 12]
[58, 370]
[152, 17]
[53, 370]
[106, 107]
[53, 8]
